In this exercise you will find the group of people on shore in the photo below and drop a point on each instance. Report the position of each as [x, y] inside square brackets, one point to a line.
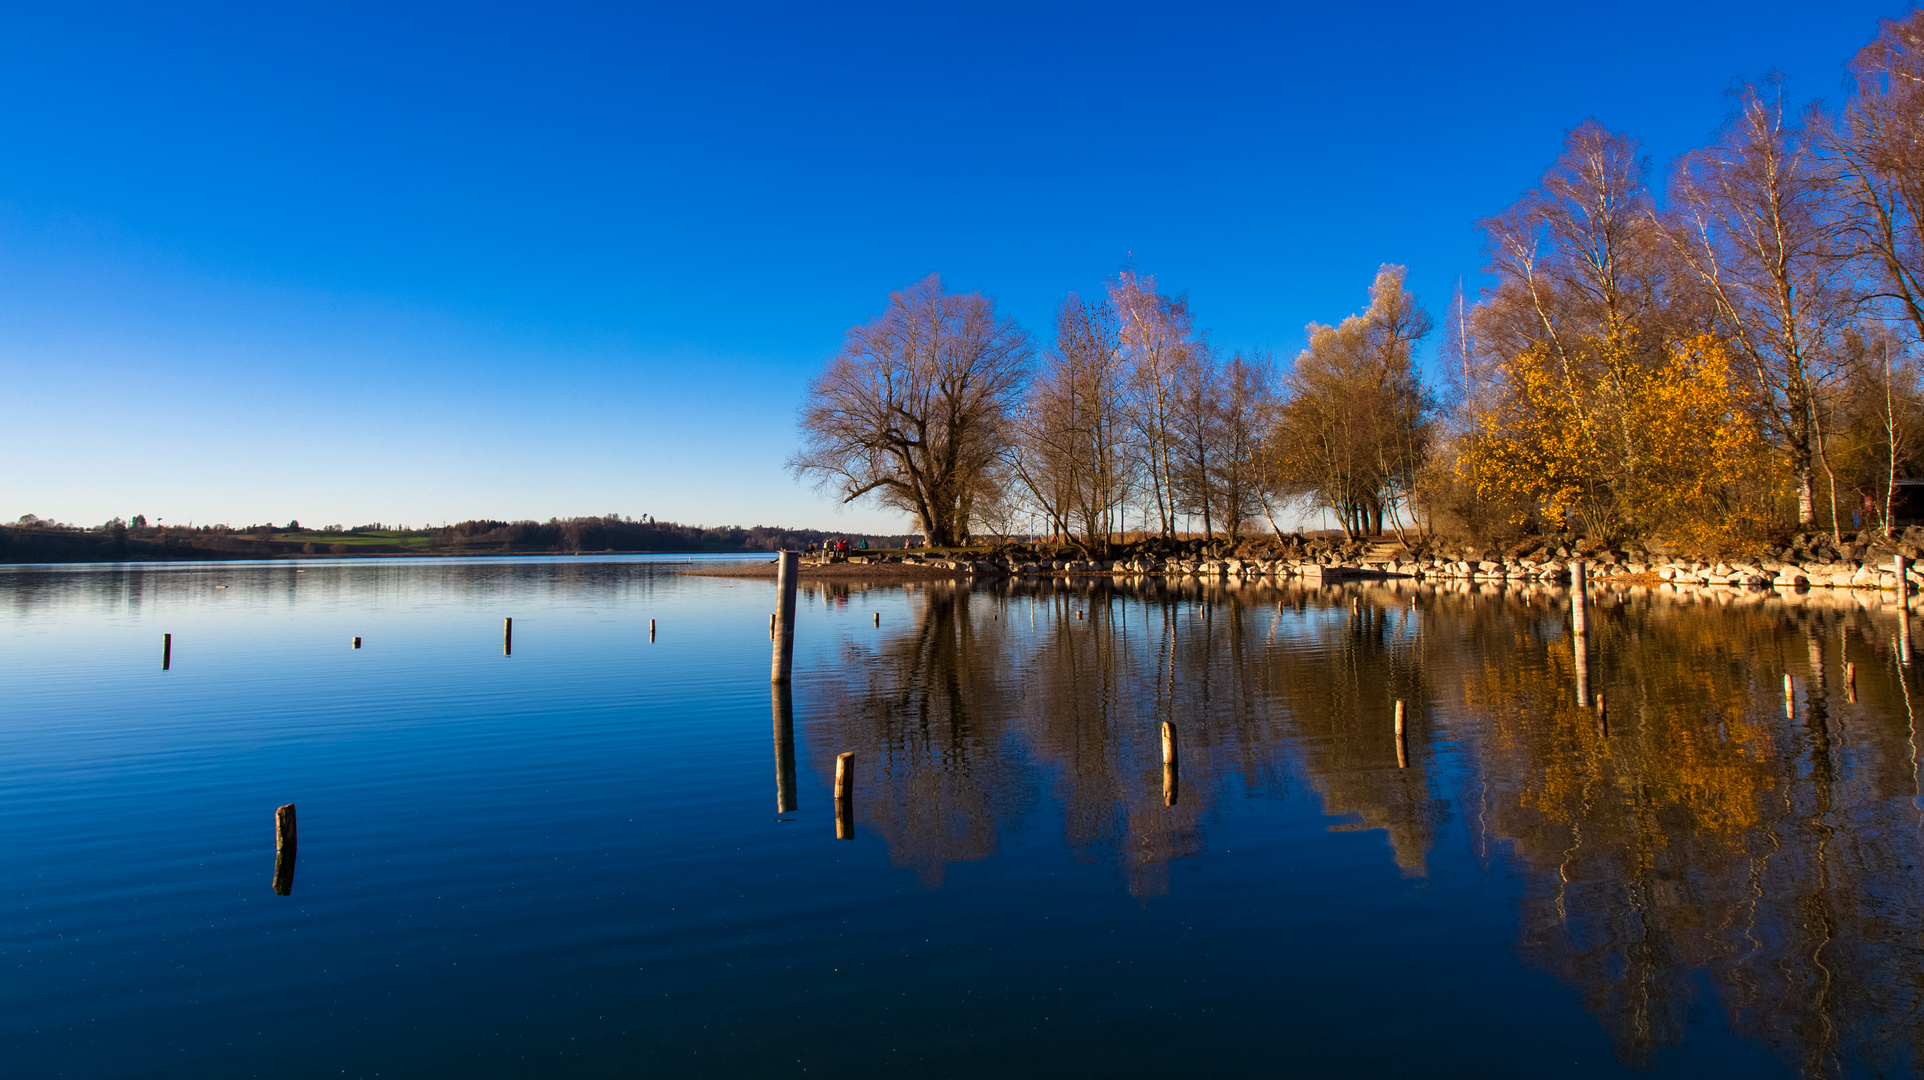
[837, 547]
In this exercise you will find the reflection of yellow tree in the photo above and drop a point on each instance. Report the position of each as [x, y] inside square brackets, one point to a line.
[1702, 831]
[1600, 434]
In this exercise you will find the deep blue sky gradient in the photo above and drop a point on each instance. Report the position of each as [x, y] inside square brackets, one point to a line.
[368, 262]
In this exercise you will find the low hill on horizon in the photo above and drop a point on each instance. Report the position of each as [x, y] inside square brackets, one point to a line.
[36, 541]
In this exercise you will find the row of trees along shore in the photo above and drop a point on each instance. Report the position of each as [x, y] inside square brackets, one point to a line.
[34, 539]
[1718, 367]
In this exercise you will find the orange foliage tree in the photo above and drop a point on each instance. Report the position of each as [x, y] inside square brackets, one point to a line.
[1598, 438]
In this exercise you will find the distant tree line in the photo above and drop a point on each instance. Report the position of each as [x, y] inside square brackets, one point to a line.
[615, 533]
[1730, 362]
[32, 539]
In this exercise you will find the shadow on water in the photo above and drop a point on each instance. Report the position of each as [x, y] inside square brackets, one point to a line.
[1709, 830]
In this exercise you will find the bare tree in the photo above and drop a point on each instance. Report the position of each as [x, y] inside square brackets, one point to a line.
[1070, 451]
[1194, 450]
[1752, 220]
[1156, 333]
[1244, 410]
[1879, 144]
[914, 410]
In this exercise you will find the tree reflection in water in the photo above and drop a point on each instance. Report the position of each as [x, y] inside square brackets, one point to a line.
[1701, 830]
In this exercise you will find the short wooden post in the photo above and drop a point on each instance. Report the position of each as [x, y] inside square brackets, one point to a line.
[1790, 698]
[771, 626]
[788, 572]
[1168, 743]
[285, 843]
[357, 642]
[1603, 718]
[507, 637]
[1402, 744]
[1904, 636]
[651, 629]
[878, 618]
[1900, 564]
[845, 796]
[1850, 682]
[845, 775]
[166, 651]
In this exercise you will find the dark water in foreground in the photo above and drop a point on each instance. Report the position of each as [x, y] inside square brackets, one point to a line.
[570, 861]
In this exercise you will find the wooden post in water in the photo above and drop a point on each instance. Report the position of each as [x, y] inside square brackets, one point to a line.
[285, 842]
[166, 651]
[1170, 764]
[357, 641]
[1900, 565]
[771, 626]
[1850, 682]
[783, 706]
[878, 618]
[1579, 597]
[1790, 698]
[1904, 636]
[845, 796]
[651, 629]
[1580, 652]
[507, 637]
[788, 572]
[1402, 744]
[1603, 718]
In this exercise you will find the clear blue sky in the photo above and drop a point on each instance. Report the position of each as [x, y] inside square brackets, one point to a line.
[350, 263]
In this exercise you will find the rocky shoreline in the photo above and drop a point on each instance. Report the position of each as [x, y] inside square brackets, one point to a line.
[1808, 563]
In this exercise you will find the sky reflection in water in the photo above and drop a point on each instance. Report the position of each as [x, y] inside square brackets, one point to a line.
[579, 859]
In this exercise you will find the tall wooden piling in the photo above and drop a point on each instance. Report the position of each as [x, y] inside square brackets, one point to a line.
[783, 706]
[1580, 653]
[507, 637]
[1579, 596]
[1170, 764]
[788, 572]
[845, 796]
[166, 651]
[285, 843]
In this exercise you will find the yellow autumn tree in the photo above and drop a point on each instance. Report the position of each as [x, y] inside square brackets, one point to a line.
[1599, 439]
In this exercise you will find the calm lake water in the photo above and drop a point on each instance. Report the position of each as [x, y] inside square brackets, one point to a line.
[574, 860]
